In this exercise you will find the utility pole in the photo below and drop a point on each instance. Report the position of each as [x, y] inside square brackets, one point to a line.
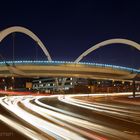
[13, 34]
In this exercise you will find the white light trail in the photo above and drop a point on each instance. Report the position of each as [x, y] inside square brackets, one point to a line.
[57, 123]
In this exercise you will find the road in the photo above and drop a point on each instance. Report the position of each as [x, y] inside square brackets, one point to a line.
[65, 117]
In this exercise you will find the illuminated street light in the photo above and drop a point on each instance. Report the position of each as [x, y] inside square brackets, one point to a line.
[89, 87]
[13, 83]
[99, 83]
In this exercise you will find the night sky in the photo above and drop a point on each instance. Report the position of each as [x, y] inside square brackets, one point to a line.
[69, 27]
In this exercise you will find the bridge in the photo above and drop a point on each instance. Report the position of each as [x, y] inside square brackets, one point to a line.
[64, 68]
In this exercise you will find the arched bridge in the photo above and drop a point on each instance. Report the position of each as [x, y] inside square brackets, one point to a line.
[66, 69]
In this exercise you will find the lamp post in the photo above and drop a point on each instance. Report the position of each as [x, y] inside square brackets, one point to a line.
[3, 84]
[13, 82]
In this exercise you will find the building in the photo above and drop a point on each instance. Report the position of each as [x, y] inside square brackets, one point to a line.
[53, 84]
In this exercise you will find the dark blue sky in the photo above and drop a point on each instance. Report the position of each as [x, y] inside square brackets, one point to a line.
[69, 27]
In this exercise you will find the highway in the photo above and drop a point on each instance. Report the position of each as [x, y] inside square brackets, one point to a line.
[65, 117]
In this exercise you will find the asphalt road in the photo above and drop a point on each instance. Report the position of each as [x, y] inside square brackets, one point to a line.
[64, 117]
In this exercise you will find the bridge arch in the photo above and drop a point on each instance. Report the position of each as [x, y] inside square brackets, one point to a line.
[108, 42]
[4, 33]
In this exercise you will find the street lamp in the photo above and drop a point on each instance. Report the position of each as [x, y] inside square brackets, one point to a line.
[13, 81]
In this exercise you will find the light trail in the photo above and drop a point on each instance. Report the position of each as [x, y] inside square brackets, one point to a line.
[45, 126]
[103, 130]
[58, 117]
[109, 110]
[56, 123]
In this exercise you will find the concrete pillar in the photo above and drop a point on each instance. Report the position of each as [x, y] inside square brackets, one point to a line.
[92, 89]
[134, 88]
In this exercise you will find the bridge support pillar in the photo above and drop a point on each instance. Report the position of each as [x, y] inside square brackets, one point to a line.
[134, 88]
[92, 89]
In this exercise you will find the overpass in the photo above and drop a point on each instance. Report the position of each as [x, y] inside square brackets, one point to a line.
[66, 69]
